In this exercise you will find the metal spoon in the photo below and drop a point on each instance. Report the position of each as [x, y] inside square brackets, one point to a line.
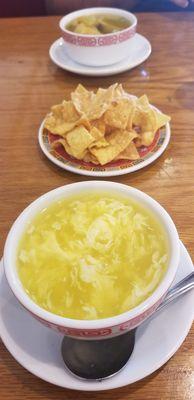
[100, 359]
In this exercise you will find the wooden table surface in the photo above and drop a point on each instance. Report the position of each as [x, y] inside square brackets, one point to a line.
[29, 85]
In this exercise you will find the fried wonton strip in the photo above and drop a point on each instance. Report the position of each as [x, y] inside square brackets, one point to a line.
[56, 143]
[84, 121]
[63, 118]
[119, 92]
[69, 111]
[99, 143]
[129, 126]
[99, 124]
[68, 149]
[145, 120]
[118, 141]
[82, 99]
[145, 139]
[79, 140]
[99, 140]
[60, 127]
[143, 102]
[96, 133]
[130, 153]
[88, 157]
[117, 116]
[118, 136]
[148, 118]
[162, 119]
[90, 104]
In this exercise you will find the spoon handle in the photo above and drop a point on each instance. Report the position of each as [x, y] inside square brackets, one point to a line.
[181, 287]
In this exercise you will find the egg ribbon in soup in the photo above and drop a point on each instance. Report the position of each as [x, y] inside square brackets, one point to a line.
[92, 256]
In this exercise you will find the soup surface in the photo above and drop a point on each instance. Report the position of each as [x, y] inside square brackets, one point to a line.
[92, 256]
[98, 24]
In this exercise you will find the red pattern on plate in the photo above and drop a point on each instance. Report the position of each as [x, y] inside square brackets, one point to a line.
[96, 41]
[143, 151]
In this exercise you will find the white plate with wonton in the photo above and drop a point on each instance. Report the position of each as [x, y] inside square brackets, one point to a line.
[106, 133]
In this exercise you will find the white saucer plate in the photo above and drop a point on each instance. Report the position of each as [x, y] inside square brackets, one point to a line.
[140, 49]
[37, 347]
[89, 169]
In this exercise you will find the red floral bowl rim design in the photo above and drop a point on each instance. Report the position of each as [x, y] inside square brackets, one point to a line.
[98, 10]
[11, 245]
[99, 40]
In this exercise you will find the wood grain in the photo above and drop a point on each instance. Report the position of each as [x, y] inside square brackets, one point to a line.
[30, 84]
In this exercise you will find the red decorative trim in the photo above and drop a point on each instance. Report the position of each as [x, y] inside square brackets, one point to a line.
[97, 41]
[107, 40]
[126, 34]
[132, 323]
[86, 41]
[101, 332]
[72, 331]
[85, 333]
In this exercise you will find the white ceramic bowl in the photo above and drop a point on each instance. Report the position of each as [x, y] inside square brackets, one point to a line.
[98, 50]
[107, 327]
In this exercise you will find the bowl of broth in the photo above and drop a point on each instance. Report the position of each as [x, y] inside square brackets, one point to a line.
[92, 259]
[98, 36]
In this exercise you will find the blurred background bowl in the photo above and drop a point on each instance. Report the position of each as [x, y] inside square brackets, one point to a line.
[98, 50]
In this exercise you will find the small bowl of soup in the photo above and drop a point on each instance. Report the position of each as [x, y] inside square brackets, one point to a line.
[92, 259]
[98, 36]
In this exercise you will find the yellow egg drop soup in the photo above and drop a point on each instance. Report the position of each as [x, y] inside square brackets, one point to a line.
[92, 256]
